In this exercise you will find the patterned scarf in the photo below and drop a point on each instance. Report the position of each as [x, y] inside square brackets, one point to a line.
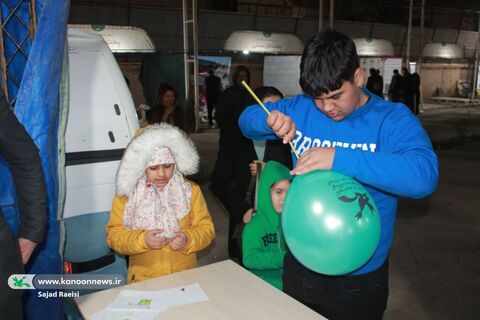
[150, 207]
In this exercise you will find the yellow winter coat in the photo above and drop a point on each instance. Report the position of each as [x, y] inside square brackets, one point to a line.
[145, 263]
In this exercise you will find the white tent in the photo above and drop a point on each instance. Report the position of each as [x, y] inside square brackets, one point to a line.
[368, 47]
[264, 42]
[120, 39]
[442, 51]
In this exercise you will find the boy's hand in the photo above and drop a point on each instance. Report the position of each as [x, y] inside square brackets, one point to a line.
[154, 239]
[314, 159]
[179, 241]
[282, 125]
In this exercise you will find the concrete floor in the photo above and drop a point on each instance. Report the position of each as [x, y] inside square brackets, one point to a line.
[435, 258]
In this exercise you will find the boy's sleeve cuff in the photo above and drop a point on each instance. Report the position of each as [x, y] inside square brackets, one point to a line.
[344, 162]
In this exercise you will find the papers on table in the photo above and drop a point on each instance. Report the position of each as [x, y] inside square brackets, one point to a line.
[146, 305]
[107, 314]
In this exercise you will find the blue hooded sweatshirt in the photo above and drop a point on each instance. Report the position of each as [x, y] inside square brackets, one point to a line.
[380, 144]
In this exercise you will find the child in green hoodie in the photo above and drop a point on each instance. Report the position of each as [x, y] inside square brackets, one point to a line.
[262, 244]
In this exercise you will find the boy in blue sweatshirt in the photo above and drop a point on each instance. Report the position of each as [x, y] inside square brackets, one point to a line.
[337, 125]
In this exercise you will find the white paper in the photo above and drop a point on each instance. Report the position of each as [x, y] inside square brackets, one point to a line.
[138, 301]
[108, 314]
[143, 305]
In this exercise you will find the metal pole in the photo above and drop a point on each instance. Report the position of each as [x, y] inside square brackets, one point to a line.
[420, 56]
[195, 65]
[185, 48]
[410, 12]
[129, 14]
[422, 35]
[320, 15]
[477, 55]
[331, 13]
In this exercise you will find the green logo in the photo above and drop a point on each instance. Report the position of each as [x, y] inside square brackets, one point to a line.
[97, 27]
[145, 302]
[21, 281]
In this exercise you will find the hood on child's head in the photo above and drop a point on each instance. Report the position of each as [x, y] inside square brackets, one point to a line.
[140, 150]
[271, 173]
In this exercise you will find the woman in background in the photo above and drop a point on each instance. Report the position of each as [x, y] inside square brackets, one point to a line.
[166, 109]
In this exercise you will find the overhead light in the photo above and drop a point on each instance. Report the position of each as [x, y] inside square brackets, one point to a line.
[264, 42]
[120, 39]
[368, 47]
[442, 50]
[412, 67]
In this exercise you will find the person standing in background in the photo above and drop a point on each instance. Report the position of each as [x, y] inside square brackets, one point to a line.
[379, 84]
[408, 90]
[416, 92]
[21, 153]
[396, 87]
[167, 108]
[375, 83]
[231, 175]
[213, 88]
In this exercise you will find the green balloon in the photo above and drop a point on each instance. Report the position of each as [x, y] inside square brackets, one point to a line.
[330, 222]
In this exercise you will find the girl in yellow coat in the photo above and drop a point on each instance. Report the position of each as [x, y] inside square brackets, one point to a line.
[158, 218]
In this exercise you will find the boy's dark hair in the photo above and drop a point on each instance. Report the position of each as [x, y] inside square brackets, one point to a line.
[329, 59]
[265, 92]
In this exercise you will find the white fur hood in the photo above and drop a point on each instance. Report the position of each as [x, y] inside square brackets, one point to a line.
[141, 148]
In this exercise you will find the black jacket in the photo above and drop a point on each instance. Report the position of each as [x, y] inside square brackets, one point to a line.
[177, 118]
[21, 153]
[231, 175]
[213, 85]
[18, 149]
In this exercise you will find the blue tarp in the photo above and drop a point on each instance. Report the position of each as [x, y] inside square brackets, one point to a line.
[37, 108]
[16, 41]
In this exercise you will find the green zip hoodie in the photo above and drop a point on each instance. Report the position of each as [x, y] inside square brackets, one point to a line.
[262, 252]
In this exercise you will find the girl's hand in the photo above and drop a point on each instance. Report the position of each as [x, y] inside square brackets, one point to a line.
[154, 239]
[179, 241]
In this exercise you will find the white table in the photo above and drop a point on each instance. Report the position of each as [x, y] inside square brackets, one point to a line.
[234, 293]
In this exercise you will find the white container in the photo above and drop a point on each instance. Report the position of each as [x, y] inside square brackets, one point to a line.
[101, 122]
